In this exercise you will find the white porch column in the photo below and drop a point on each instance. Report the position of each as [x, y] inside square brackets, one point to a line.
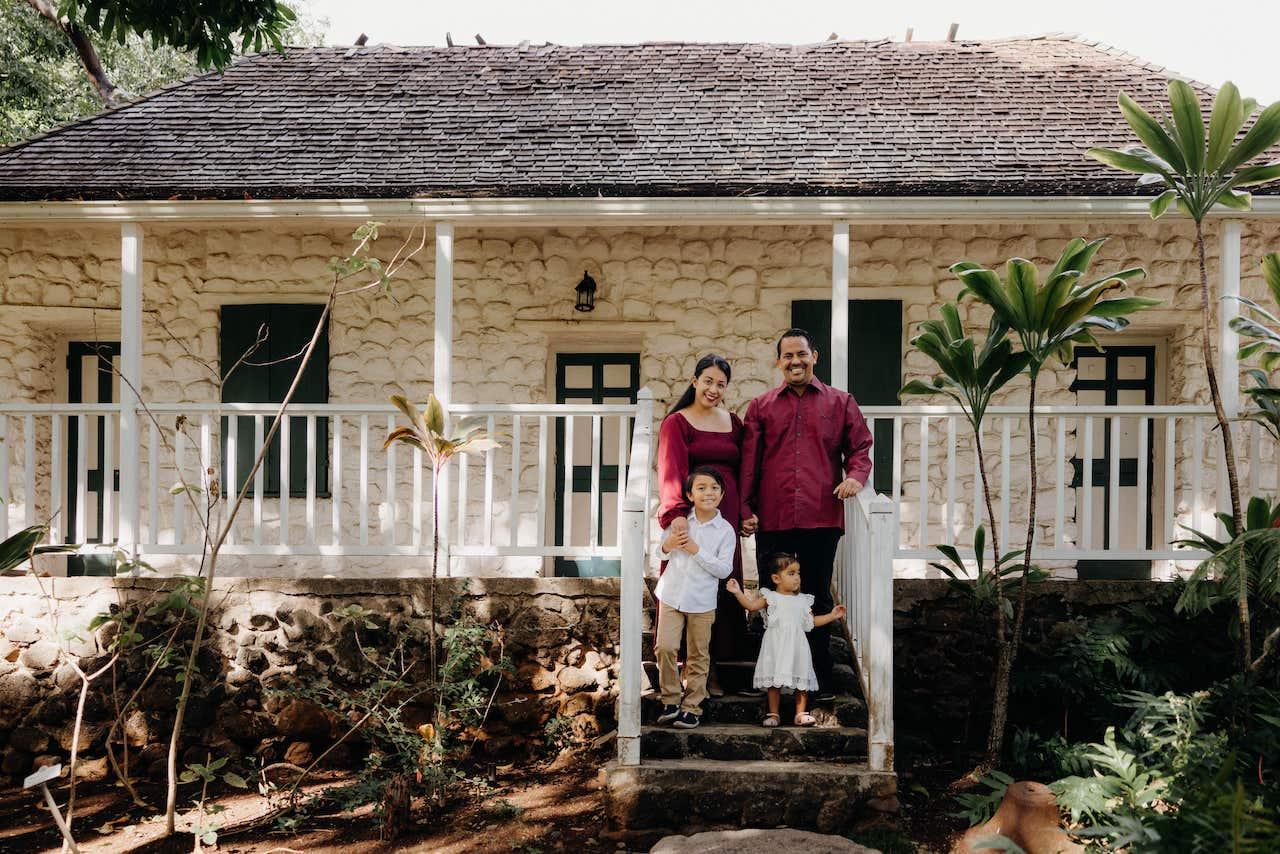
[130, 383]
[1228, 309]
[839, 355]
[442, 364]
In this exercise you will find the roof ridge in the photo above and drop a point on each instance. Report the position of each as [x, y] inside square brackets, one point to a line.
[1134, 59]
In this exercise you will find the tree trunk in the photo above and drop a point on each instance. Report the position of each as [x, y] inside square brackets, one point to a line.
[1008, 651]
[435, 562]
[1228, 446]
[110, 94]
[999, 711]
[396, 808]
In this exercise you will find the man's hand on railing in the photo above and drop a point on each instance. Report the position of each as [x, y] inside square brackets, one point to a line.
[847, 488]
[750, 526]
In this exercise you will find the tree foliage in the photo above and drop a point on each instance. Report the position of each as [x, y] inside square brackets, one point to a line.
[43, 83]
[212, 31]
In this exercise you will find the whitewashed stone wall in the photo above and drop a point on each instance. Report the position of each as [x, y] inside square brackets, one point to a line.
[670, 294]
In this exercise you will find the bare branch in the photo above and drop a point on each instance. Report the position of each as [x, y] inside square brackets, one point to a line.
[109, 92]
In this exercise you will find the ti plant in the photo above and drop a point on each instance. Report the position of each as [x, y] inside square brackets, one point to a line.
[1265, 344]
[426, 432]
[1201, 167]
[968, 374]
[1048, 320]
[988, 588]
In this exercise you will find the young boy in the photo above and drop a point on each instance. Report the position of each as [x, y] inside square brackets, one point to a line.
[686, 593]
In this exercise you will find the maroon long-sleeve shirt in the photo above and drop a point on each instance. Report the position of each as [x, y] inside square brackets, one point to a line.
[796, 448]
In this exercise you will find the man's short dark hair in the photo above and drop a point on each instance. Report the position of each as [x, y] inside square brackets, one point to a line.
[793, 332]
[705, 471]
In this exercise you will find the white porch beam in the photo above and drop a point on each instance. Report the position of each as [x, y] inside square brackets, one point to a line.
[1228, 309]
[131, 251]
[442, 363]
[839, 355]
[755, 210]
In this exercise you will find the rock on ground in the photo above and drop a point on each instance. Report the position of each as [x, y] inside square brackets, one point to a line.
[758, 842]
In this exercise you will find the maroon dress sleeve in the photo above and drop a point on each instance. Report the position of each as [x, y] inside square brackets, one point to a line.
[673, 468]
[749, 467]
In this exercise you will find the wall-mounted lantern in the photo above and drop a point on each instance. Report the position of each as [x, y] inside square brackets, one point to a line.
[586, 293]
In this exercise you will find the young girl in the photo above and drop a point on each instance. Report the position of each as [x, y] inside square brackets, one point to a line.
[784, 660]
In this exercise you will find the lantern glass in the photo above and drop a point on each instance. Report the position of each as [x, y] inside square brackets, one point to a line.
[586, 293]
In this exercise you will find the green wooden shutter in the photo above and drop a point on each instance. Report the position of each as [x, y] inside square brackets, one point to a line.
[875, 362]
[289, 328]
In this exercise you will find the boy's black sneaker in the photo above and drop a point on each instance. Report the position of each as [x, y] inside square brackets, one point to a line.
[686, 720]
[668, 714]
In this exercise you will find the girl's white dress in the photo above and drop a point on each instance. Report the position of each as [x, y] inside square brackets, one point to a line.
[784, 660]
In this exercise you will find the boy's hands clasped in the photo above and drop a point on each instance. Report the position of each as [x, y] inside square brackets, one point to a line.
[679, 539]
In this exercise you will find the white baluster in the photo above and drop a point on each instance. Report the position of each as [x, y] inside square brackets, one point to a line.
[82, 477]
[285, 486]
[415, 521]
[1006, 496]
[389, 516]
[544, 462]
[924, 482]
[311, 480]
[364, 480]
[108, 463]
[153, 483]
[1170, 460]
[1060, 486]
[6, 497]
[488, 488]
[950, 534]
[231, 488]
[595, 482]
[259, 477]
[335, 479]
[1086, 499]
[1113, 487]
[1144, 484]
[180, 500]
[567, 503]
[513, 514]
[29, 469]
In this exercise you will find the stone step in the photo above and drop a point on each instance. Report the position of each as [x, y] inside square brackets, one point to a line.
[663, 796]
[735, 675]
[752, 741]
[846, 710]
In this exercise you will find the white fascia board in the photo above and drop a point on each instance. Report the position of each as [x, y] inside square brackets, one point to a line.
[604, 211]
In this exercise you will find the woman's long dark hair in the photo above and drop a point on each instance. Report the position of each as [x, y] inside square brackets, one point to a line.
[711, 360]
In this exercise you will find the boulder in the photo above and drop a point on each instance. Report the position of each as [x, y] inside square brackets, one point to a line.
[753, 841]
[23, 630]
[302, 719]
[29, 739]
[573, 679]
[137, 730]
[41, 655]
[15, 762]
[299, 753]
[92, 770]
[17, 691]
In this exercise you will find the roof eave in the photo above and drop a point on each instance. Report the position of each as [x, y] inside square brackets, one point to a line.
[609, 211]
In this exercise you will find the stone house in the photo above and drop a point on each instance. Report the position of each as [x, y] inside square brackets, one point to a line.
[713, 195]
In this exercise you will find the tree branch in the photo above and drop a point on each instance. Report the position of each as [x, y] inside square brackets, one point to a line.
[110, 94]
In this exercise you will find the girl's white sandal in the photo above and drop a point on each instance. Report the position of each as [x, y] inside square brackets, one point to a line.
[771, 720]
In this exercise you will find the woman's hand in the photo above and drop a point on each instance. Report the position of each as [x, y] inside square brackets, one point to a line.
[750, 526]
[733, 586]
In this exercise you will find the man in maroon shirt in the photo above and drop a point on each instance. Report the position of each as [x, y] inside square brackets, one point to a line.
[805, 449]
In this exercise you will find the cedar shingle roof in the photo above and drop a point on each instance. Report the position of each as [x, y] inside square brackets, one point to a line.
[1010, 117]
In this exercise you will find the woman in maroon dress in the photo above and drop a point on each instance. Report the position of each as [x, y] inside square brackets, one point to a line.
[698, 431]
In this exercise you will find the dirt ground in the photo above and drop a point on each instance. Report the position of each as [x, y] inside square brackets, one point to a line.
[535, 809]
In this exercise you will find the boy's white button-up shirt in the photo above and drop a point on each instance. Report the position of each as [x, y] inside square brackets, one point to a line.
[690, 582]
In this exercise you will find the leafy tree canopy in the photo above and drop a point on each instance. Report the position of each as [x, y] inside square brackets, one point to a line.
[43, 82]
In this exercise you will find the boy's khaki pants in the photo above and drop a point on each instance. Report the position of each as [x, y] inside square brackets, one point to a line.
[696, 630]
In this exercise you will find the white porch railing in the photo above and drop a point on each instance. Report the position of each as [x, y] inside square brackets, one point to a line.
[330, 488]
[864, 582]
[1100, 495]
[635, 556]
